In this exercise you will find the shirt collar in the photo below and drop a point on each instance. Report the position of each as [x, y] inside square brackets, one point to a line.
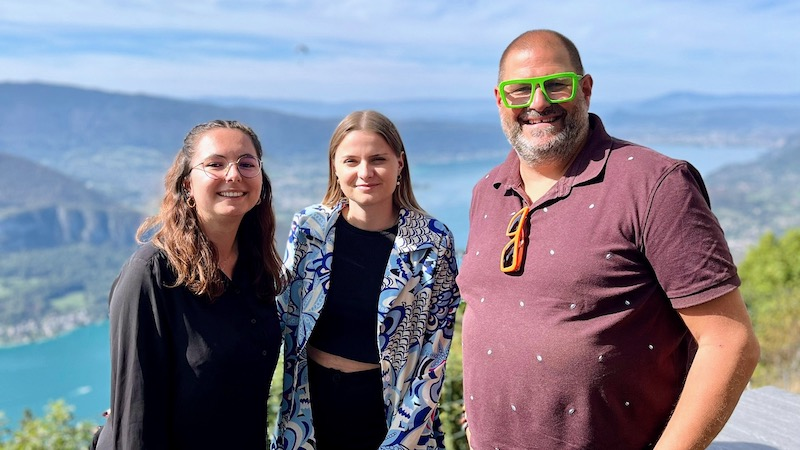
[408, 239]
[586, 167]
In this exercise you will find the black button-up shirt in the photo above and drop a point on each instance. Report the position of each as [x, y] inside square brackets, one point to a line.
[187, 372]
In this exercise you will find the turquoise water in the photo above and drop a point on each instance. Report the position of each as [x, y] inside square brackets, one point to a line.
[75, 367]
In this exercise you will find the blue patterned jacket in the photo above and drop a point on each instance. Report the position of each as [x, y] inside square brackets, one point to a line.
[416, 318]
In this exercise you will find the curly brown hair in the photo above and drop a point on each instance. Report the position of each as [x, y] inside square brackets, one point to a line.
[193, 257]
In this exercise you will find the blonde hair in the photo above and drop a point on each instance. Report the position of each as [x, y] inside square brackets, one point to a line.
[192, 256]
[377, 123]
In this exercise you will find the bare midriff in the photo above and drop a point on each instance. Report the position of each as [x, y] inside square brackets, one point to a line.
[339, 363]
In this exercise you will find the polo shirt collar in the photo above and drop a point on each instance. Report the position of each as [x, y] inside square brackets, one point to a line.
[587, 166]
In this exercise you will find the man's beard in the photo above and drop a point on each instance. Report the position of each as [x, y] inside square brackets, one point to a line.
[560, 147]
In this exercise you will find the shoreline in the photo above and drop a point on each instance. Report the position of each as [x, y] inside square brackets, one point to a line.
[47, 328]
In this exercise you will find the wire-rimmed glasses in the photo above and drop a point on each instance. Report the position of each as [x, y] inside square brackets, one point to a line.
[216, 167]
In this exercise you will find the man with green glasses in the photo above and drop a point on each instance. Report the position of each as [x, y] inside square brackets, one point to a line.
[614, 318]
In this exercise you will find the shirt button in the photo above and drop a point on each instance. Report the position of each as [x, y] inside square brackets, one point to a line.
[253, 321]
[264, 353]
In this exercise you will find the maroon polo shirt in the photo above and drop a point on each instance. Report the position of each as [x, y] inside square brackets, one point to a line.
[583, 348]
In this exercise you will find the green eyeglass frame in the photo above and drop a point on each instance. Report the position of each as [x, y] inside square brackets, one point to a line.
[553, 93]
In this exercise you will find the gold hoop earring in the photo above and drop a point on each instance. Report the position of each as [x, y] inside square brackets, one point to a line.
[191, 202]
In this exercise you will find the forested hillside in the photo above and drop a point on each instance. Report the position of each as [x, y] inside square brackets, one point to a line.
[754, 198]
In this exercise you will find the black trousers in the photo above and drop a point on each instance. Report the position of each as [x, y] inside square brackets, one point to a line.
[347, 408]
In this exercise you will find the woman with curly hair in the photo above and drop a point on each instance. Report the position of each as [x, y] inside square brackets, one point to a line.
[195, 333]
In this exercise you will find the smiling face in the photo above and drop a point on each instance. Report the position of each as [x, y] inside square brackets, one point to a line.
[222, 201]
[544, 132]
[367, 169]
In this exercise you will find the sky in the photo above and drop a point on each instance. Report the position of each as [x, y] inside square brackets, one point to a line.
[346, 50]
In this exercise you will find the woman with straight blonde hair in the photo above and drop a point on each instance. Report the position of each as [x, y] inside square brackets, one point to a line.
[370, 308]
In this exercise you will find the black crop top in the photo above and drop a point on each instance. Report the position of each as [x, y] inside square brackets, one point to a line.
[348, 323]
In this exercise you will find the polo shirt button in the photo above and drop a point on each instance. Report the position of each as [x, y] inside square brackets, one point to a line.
[573, 306]
[253, 321]
[264, 353]
[571, 411]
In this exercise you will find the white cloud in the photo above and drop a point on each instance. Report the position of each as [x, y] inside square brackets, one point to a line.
[392, 49]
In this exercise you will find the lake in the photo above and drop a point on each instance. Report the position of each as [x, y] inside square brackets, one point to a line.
[75, 366]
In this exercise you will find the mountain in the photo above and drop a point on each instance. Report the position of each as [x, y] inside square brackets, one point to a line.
[678, 118]
[478, 111]
[85, 166]
[121, 144]
[751, 199]
[42, 208]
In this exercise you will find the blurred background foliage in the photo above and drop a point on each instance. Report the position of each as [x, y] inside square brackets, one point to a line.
[771, 287]
[55, 430]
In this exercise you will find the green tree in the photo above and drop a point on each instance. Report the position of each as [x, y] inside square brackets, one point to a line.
[451, 406]
[53, 431]
[771, 286]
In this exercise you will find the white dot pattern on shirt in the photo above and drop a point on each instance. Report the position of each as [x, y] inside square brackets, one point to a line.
[572, 306]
